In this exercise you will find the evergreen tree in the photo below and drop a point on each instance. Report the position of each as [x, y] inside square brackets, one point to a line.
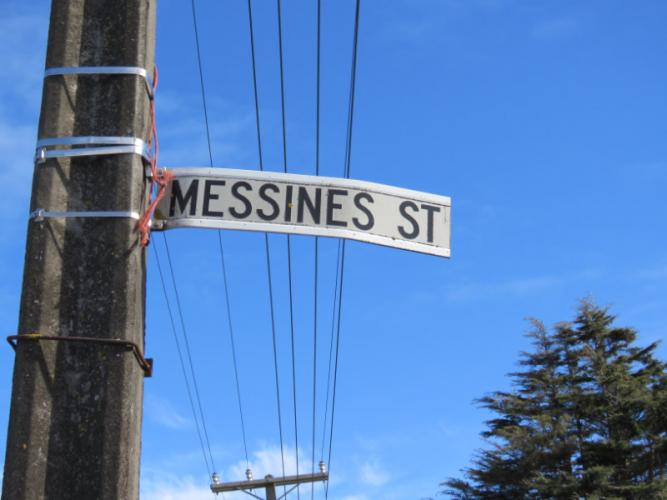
[587, 418]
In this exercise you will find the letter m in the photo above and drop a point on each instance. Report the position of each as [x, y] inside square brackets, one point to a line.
[177, 197]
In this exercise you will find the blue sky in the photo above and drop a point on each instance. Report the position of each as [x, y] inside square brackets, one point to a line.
[545, 123]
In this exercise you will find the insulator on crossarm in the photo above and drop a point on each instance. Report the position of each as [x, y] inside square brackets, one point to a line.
[323, 467]
[215, 478]
[248, 474]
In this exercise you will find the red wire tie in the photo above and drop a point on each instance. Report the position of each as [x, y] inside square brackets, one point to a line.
[159, 179]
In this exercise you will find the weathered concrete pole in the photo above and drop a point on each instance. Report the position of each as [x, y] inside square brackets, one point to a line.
[75, 422]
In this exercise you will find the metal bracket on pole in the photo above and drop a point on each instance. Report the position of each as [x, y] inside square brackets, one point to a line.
[146, 364]
[103, 70]
[90, 146]
[40, 214]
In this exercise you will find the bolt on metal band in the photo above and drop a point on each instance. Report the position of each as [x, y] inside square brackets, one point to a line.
[40, 214]
[90, 146]
[103, 70]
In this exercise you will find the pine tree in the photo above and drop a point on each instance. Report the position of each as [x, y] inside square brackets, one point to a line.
[586, 419]
[618, 389]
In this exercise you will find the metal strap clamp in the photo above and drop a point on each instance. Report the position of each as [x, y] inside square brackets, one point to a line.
[40, 214]
[90, 146]
[146, 364]
[104, 70]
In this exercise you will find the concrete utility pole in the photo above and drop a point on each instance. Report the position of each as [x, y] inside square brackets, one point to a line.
[75, 422]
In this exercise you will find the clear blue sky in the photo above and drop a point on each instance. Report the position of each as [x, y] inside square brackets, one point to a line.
[544, 121]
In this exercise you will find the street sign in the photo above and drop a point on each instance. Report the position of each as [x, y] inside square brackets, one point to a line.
[251, 200]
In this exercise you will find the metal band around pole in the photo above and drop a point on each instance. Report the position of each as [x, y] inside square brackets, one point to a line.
[40, 214]
[90, 146]
[104, 70]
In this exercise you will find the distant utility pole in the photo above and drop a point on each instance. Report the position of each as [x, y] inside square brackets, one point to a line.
[75, 422]
[269, 483]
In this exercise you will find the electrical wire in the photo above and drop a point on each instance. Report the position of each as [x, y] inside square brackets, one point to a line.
[179, 309]
[182, 362]
[318, 73]
[312, 457]
[315, 273]
[331, 346]
[266, 239]
[220, 245]
[335, 376]
[348, 161]
[289, 245]
[233, 346]
[254, 86]
[353, 80]
[201, 81]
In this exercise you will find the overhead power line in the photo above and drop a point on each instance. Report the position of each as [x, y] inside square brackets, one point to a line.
[335, 373]
[289, 244]
[220, 245]
[348, 161]
[233, 346]
[182, 362]
[331, 350]
[179, 310]
[266, 241]
[201, 82]
[334, 348]
[316, 256]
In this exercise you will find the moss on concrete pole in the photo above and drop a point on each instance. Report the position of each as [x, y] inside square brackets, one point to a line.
[75, 421]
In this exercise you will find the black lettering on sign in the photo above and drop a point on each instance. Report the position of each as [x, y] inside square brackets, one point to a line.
[411, 235]
[274, 204]
[288, 204]
[313, 207]
[369, 215]
[247, 207]
[208, 196]
[332, 205]
[431, 210]
[177, 197]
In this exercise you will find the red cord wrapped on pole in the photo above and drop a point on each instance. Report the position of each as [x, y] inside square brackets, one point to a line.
[159, 180]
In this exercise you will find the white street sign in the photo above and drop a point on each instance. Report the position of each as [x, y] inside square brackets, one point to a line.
[250, 200]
